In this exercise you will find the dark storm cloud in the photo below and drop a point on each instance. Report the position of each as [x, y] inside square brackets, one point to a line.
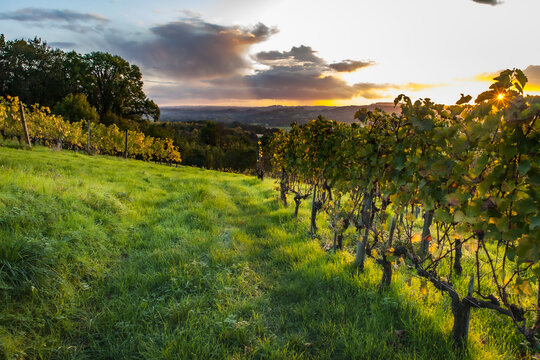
[489, 2]
[201, 60]
[298, 54]
[194, 49]
[299, 74]
[350, 65]
[306, 56]
[66, 19]
[298, 84]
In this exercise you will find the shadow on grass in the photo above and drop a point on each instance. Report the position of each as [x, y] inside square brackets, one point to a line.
[318, 307]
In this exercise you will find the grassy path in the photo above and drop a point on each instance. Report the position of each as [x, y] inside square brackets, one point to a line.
[130, 260]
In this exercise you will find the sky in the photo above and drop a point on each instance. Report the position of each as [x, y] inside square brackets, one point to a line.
[295, 52]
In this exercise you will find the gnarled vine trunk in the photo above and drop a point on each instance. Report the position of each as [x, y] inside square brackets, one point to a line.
[361, 247]
[297, 202]
[336, 233]
[426, 234]
[461, 309]
[457, 259]
[386, 265]
[283, 187]
[314, 208]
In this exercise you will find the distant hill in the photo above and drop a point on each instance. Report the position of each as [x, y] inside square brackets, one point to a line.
[269, 116]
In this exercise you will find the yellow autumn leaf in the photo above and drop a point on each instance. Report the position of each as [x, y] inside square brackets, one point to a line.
[525, 288]
[415, 239]
[374, 253]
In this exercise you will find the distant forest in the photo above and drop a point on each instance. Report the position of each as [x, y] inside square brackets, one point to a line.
[105, 88]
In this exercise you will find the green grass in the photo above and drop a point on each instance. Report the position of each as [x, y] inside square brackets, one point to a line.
[103, 258]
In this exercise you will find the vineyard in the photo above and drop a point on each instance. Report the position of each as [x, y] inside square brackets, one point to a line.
[410, 236]
[471, 171]
[51, 130]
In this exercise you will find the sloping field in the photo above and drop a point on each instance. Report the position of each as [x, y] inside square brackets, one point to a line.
[104, 258]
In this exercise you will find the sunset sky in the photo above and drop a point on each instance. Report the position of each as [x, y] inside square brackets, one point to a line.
[260, 52]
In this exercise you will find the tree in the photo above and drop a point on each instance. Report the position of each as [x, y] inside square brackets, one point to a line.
[211, 133]
[36, 73]
[116, 86]
[75, 108]
[32, 71]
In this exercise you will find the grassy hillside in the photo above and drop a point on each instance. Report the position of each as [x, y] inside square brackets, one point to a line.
[103, 258]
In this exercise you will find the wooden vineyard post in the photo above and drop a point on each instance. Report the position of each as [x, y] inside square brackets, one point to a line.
[25, 128]
[125, 146]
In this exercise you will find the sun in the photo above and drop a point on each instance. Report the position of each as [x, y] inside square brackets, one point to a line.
[500, 97]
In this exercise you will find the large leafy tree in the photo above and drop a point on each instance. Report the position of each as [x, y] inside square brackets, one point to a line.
[36, 73]
[32, 71]
[115, 86]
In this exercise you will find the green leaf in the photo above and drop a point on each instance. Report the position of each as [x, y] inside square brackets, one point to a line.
[524, 167]
[423, 123]
[535, 222]
[464, 99]
[520, 76]
[459, 216]
[443, 216]
[511, 253]
[527, 250]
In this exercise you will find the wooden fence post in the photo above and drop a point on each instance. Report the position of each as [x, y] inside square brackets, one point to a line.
[25, 128]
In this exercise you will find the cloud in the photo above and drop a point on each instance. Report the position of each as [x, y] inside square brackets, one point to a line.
[194, 49]
[297, 74]
[350, 65]
[66, 19]
[62, 45]
[297, 83]
[297, 55]
[192, 59]
[489, 2]
[533, 75]
[279, 83]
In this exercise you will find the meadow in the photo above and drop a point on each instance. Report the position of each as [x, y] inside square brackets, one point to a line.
[106, 258]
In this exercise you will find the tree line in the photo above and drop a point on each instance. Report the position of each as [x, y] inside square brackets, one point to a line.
[448, 192]
[102, 88]
[37, 73]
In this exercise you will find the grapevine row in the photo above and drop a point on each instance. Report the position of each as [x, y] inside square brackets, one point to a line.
[472, 171]
[52, 130]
